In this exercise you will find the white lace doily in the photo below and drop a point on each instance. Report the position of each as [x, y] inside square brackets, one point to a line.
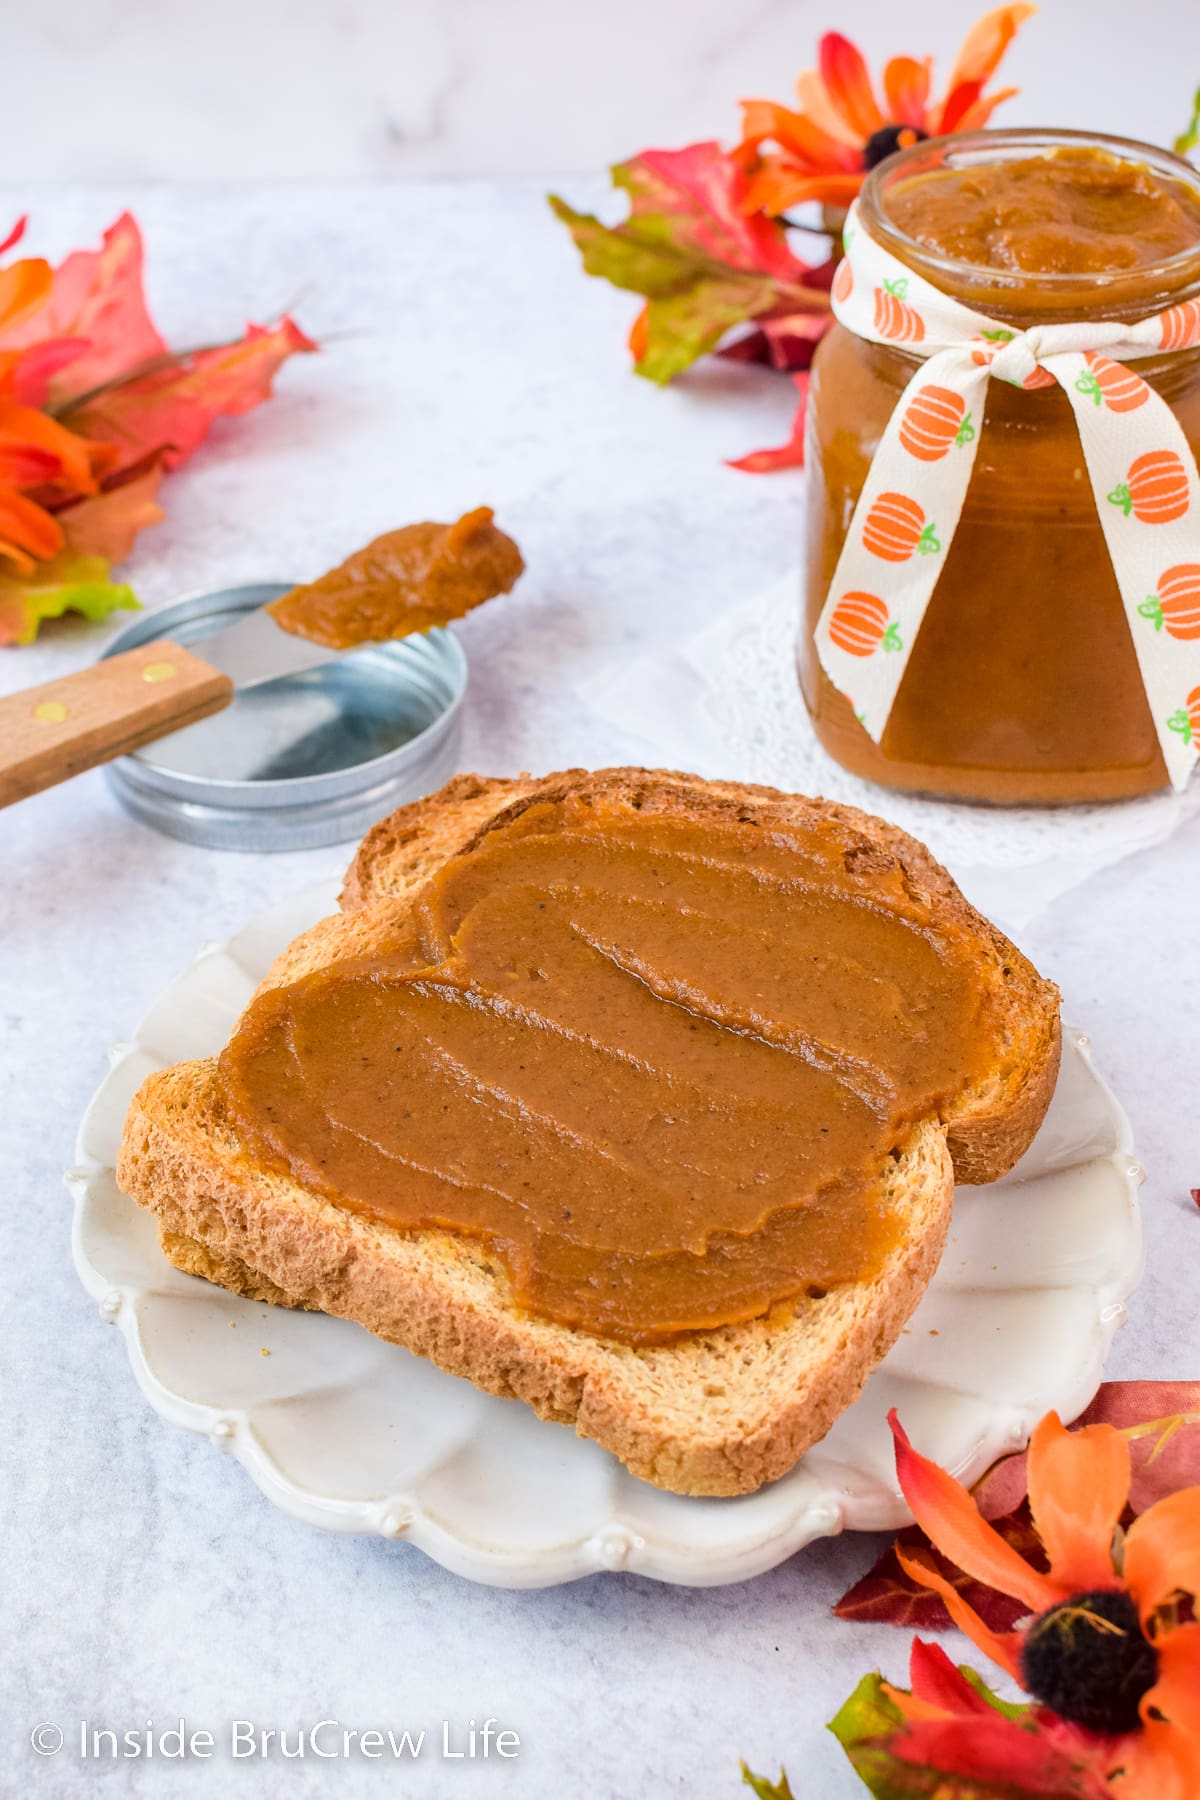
[726, 703]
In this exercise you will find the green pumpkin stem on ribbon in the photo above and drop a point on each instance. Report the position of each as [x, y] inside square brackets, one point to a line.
[928, 544]
[1088, 386]
[891, 639]
[1121, 497]
[1180, 722]
[897, 287]
[1151, 608]
[965, 433]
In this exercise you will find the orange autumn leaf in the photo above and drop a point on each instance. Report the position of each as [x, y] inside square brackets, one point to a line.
[106, 524]
[93, 409]
[169, 409]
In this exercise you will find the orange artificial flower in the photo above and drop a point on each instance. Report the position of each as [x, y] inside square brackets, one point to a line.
[35, 451]
[1111, 1645]
[842, 129]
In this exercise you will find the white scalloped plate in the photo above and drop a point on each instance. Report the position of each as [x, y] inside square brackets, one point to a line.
[353, 1434]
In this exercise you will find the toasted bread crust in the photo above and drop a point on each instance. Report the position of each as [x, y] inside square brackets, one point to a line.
[715, 1413]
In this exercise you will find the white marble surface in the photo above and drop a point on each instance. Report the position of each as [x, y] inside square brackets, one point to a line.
[167, 89]
[143, 1576]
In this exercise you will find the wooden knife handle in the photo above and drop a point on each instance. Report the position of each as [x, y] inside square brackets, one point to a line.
[51, 732]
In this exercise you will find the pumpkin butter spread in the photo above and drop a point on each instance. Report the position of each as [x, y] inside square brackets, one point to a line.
[657, 1064]
[1077, 211]
[405, 581]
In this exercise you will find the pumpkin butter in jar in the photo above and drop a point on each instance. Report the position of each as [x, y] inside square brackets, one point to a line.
[1022, 685]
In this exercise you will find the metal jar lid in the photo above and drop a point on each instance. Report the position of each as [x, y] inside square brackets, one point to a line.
[314, 758]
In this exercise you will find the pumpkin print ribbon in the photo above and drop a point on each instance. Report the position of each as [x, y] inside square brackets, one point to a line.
[1139, 463]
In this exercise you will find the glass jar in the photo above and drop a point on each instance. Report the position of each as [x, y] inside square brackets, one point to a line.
[1022, 686]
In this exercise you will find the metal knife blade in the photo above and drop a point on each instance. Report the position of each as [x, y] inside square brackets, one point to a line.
[256, 649]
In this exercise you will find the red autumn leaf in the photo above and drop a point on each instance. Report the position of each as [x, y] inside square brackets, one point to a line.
[96, 301]
[1162, 1422]
[701, 190]
[789, 455]
[787, 343]
[887, 1596]
[703, 263]
[169, 409]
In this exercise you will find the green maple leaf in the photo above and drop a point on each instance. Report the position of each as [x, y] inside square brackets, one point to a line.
[75, 584]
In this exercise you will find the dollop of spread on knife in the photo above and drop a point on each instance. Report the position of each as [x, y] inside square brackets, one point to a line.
[403, 582]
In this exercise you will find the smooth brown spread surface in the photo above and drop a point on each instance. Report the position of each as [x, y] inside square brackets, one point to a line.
[659, 1065]
[405, 581]
[1068, 212]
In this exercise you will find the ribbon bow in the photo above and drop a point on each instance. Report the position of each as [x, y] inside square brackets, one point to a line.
[1139, 463]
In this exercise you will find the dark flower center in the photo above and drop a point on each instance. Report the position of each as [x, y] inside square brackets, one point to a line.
[887, 140]
[1088, 1661]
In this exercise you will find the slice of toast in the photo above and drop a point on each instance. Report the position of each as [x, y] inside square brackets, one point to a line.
[712, 1412]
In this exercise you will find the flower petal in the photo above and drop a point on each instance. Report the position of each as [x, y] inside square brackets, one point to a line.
[848, 84]
[779, 184]
[1162, 1551]
[1003, 1648]
[985, 43]
[26, 425]
[958, 105]
[24, 287]
[26, 528]
[798, 135]
[906, 90]
[817, 105]
[1176, 1693]
[1163, 1759]
[15, 235]
[950, 1519]
[1078, 1486]
[977, 116]
[936, 1681]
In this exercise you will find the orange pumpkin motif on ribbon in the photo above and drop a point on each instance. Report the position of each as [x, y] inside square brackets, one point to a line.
[1155, 490]
[1175, 608]
[1187, 720]
[843, 281]
[986, 344]
[896, 527]
[859, 624]
[1180, 326]
[894, 317]
[1111, 384]
[935, 420]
